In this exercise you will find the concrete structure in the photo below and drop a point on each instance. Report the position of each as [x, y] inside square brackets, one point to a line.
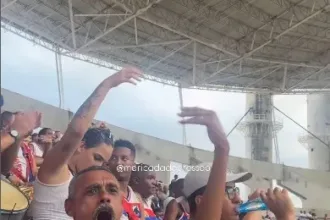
[247, 45]
[318, 122]
[251, 46]
[259, 127]
[313, 185]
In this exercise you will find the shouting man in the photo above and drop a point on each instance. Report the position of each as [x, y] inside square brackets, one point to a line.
[94, 194]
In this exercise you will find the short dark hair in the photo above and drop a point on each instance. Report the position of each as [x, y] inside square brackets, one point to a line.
[174, 183]
[192, 197]
[44, 131]
[2, 102]
[139, 169]
[125, 143]
[96, 136]
[80, 173]
[142, 167]
[178, 182]
[5, 116]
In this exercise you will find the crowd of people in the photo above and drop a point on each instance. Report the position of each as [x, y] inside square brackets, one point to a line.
[76, 176]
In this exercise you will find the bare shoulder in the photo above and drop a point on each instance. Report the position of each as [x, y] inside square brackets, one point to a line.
[61, 176]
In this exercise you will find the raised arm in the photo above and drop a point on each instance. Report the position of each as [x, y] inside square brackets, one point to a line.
[54, 168]
[23, 124]
[47, 143]
[213, 197]
[10, 150]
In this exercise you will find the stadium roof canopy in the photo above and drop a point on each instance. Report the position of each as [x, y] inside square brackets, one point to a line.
[278, 46]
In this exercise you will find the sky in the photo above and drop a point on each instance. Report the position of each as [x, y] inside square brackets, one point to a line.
[148, 108]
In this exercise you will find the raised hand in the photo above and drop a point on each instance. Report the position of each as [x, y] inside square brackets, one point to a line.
[279, 202]
[15, 180]
[126, 75]
[208, 118]
[256, 194]
[257, 214]
[45, 139]
[25, 122]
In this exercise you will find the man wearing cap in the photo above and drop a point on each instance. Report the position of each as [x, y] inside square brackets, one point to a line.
[195, 183]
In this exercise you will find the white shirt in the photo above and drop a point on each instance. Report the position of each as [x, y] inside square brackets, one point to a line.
[22, 162]
[133, 200]
[37, 150]
[48, 201]
[167, 201]
[183, 201]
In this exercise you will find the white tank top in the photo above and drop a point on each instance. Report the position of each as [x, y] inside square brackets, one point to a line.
[183, 201]
[48, 201]
[21, 162]
[37, 150]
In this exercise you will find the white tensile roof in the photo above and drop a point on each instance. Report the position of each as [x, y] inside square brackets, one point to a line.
[277, 46]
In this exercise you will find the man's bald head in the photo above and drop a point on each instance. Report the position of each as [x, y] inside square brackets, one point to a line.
[93, 192]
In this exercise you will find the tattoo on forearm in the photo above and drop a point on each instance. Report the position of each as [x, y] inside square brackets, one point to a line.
[87, 110]
[93, 101]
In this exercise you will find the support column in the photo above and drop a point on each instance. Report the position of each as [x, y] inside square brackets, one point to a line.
[259, 128]
[318, 122]
[184, 135]
[60, 86]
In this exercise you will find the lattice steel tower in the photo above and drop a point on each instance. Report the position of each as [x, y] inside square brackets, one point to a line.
[318, 123]
[260, 127]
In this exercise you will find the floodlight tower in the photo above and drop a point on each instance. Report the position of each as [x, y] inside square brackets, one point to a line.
[318, 123]
[260, 127]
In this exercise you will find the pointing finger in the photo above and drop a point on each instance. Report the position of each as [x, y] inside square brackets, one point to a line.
[276, 191]
[264, 196]
[131, 81]
[193, 120]
[136, 78]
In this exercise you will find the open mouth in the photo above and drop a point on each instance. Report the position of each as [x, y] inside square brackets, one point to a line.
[104, 212]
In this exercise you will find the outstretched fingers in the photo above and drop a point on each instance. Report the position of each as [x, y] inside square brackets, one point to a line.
[194, 120]
[193, 111]
[133, 75]
[134, 70]
[136, 77]
[39, 117]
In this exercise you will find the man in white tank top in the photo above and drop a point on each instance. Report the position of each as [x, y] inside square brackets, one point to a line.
[94, 193]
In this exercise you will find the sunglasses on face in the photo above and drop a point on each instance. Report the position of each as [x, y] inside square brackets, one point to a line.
[232, 191]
